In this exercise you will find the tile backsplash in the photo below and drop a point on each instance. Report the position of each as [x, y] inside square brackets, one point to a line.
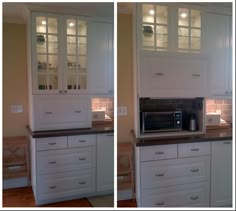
[222, 106]
[105, 104]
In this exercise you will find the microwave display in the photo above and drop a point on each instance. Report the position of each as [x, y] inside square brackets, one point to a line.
[161, 121]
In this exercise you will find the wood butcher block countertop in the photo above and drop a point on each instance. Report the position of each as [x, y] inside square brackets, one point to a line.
[95, 129]
[212, 134]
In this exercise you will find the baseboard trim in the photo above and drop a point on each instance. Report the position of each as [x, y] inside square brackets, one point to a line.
[15, 183]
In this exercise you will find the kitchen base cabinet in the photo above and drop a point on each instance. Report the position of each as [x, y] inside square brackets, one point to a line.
[105, 162]
[70, 167]
[221, 174]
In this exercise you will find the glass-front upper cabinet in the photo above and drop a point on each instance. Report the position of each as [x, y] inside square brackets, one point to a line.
[170, 27]
[46, 53]
[76, 55]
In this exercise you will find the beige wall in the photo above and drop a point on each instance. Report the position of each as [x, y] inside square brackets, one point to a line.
[14, 79]
[124, 76]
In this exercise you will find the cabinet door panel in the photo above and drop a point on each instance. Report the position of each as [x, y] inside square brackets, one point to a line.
[100, 51]
[105, 162]
[221, 173]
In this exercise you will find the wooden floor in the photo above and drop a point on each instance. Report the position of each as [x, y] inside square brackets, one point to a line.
[23, 197]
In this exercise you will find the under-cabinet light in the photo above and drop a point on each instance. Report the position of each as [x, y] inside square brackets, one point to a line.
[151, 12]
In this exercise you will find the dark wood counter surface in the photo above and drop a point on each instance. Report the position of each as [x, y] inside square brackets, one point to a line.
[211, 135]
[95, 129]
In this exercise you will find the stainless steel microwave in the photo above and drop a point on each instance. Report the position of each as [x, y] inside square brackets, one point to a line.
[152, 122]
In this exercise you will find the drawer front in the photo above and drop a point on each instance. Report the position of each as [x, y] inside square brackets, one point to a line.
[194, 149]
[189, 195]
[174, 172]
[51, 143]
[65, 160]
[159, 152]
[81, 141]
[65, 184]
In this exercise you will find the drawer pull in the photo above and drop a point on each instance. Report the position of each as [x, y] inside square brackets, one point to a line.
[160, 175]
[82, 141]
[194, 149]
[194, 170]
[52, 162]
[110, 134]
[52, 143]
[197, 75]
[159, 73]
[53, 187]
[227, 142]
[82, 183]
[77, 112]
[82, 158]
[194, 197]
[160, 203]
[159, 153]
[49, 112]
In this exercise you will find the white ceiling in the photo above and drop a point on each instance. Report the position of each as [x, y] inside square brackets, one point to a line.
[16, 12]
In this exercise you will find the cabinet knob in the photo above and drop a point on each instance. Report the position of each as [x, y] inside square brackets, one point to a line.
[60, 91]
[65, 91]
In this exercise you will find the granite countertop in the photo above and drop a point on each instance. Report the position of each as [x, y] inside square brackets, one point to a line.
[211, 135]
[95, 129]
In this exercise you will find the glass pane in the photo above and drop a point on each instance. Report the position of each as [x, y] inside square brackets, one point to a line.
[148, 13]
[82, 45]
[40, 43]
[183, 17]
[41, 23]
[183, 32]
[52, 44]
[183, 42]
[42, 81]
[82, 62]
[161, 14]
[195, 18]
[161, 36]
[52, 81]
[195, 43]
[52, 25]
[71, 27]
[42, 63]
[53, 63]
[82, 81]
[71, 62]
[82, 29]
[71, 81]
[195, 33]
[71, 45]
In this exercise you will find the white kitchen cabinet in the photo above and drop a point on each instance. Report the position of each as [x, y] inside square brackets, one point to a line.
[180, 178]
[165, 75]
[59, 54]
[100, 53]
[105, 162]
[221, 174]
[218, 35]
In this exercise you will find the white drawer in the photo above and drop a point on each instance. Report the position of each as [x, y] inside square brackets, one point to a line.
[81, 141]
[158, 152]
[194, 149]
[66, 184]
[51, 143]
[189, 195]
[65, 160]
[174, 172]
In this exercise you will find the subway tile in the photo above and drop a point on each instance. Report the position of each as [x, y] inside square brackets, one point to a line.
[227, 101]
[102, 100]
[219, 102]
[209, 102]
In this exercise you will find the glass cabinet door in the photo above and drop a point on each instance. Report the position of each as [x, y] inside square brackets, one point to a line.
[189, 30]
[155, 27]
[76, 55]
[46, 53]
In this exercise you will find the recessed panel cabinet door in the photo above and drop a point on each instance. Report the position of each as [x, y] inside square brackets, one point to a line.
[100, 53]
[221, 174]
[105, 162]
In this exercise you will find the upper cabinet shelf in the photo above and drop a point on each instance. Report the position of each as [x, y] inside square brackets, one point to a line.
[169, 27]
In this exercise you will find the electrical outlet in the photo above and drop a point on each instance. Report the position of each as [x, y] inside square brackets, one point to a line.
[122, 111]
[16, 108]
